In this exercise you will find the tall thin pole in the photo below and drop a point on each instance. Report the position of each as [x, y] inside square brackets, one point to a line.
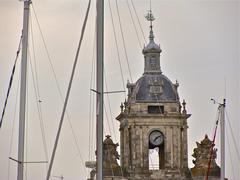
[222, 122]
[23, 90]
[67, 94]
[99, 111]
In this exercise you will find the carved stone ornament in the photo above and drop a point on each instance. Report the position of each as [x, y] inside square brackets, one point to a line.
[110, 157]
[202, 156]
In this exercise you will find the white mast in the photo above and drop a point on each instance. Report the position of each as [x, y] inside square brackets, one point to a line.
[99, 110]
[23, 90]
[222, 122]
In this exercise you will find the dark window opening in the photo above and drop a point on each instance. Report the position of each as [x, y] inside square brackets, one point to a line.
[156, 109]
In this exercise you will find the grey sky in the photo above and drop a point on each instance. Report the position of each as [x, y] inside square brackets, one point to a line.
[200, 43]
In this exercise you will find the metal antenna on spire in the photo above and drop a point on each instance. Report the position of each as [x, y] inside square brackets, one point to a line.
[150, 18]
[150, 5]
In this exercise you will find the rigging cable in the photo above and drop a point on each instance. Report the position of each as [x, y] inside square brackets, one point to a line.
[91, 101]
[108, 123]
[109, 157]
[213, 141]
[37, 91]
[230, 154]
[233, 137]
[110, 109]
[11, 80]
[58, 86]
[113, 129]
[39, 113]
[68, 91]
[92, 113]
[116, 43]
[123, 39]
[113, 134]
[135, 11]
[134, 25]
[13, 126]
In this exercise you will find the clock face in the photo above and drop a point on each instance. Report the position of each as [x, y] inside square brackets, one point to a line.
[156, 138]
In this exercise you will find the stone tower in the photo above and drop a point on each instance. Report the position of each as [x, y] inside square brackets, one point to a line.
[152, 118]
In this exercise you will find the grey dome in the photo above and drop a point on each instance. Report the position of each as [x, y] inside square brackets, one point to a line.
[154, 88]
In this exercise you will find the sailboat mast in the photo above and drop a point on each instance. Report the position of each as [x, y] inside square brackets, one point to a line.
[99, 110]
[222, 122]
[22, 111]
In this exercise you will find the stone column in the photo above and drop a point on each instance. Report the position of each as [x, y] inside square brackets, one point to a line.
[172, 147]
[185, 145]
[122, 146]
[167, 146]
[145, 148]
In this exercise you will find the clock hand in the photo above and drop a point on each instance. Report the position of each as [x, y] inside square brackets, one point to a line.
[156, 138]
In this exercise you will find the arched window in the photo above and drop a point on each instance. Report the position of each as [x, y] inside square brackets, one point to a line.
[156, 150]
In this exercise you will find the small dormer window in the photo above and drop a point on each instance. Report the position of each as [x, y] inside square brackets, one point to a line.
[156, 109]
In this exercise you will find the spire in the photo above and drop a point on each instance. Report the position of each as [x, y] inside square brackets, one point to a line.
[152, 50]
[150, 18]
[151, 46]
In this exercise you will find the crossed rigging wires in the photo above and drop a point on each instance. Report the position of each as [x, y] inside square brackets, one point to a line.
[13, 70]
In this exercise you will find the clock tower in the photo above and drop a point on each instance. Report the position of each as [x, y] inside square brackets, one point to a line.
[153, 124]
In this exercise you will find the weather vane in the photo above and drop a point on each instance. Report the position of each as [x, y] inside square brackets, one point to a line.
[150, 16]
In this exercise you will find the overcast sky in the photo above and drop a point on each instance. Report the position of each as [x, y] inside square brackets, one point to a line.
[200, 43]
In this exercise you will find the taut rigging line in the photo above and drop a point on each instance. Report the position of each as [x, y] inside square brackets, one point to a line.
[221, 114]
[68, 91]
[212, 145]
[11, 80]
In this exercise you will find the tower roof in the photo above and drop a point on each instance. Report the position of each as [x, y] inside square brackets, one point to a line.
[153, 86]
[151, 47]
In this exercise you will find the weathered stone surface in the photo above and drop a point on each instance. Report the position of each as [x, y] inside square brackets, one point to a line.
[136, 123]
[153, 105]
[202, 155]
[110, 157]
